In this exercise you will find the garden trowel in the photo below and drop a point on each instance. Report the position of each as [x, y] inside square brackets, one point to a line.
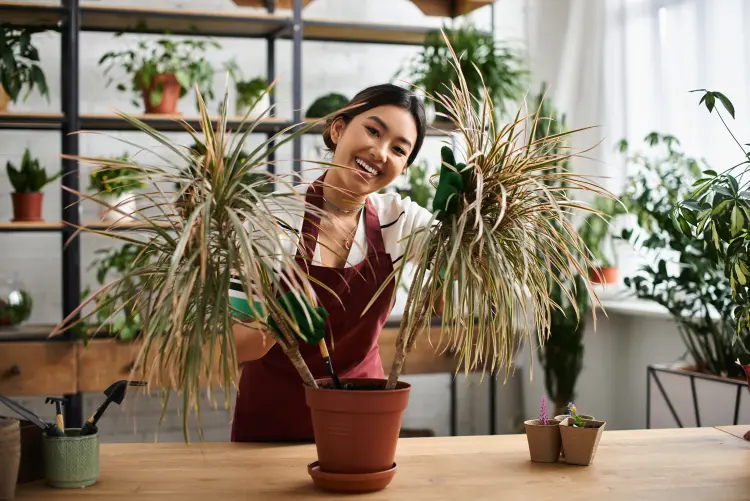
[115, 393]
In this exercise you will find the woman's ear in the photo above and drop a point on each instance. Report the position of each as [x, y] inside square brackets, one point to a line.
[337, 129]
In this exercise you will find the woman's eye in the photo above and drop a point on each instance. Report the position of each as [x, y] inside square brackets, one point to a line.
[373, 131]
[399, 150]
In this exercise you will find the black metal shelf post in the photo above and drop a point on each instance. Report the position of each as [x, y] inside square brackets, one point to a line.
[71, 247]
[297, 32]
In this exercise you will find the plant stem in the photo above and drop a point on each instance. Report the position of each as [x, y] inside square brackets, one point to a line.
[292, 351]
[406, 338]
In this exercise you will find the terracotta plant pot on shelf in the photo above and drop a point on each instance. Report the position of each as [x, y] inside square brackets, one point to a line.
[10, 457]
[27, 207]
[580, 444]
[544, 440]
[604, 275]
[356, 433]
[169, 97]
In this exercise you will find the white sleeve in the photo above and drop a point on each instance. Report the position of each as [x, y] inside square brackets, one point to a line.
[399, 219]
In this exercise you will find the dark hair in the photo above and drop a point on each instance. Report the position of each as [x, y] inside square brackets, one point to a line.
[382, 95]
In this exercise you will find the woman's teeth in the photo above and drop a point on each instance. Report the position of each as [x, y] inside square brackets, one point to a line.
[366, 167]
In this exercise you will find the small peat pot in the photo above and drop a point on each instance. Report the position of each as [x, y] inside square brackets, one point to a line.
[71, 461]
[544, 440]
[10, 457]
[356, 432]
[580, 444]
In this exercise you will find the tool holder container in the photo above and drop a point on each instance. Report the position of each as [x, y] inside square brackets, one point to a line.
[71, 461]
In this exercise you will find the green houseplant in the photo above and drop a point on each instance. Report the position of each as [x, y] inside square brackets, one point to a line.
[186, 294]
[717, 212]
[115, 187]
[161, 72]
[19, 66]
[687, 278]
[500, 67]
[27, 182]
[249, 94]
[326, 104]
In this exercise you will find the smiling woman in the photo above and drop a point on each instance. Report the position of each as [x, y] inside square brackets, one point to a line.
[350, 252]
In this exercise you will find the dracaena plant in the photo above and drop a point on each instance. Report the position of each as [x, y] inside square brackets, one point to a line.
[216, 226]
[497, 230]
[717, 212]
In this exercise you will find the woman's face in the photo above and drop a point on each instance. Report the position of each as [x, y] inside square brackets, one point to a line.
[375, 145]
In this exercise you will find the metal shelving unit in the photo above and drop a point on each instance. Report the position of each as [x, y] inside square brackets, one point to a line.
[71, 19]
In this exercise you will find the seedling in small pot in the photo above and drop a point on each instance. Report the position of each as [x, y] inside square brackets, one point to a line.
[543, 436]
[580, 437]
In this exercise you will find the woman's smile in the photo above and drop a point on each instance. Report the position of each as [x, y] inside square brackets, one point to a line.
[367, 167]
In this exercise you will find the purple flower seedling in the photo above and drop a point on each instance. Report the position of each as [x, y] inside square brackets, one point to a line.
[543, 417]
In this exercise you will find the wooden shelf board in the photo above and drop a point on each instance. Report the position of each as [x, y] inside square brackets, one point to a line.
[26, 15]
[103, 225]
[324, 30]
[175, 123]
[25, 120]
[10, 226]
[181, 22]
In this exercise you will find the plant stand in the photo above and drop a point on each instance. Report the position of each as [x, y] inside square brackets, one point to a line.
[652, 374]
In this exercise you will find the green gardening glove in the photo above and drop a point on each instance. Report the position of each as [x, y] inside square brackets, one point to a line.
[291, 305]
[450, 185]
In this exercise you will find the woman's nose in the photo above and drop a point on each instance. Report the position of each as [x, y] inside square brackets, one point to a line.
[379, 153]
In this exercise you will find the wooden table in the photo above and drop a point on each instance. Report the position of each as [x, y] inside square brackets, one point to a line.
[685, 464]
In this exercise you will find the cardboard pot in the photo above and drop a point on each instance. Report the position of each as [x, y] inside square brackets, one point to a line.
[169, 97]
[4, 99]
[27, 207]
[356, 430]
[580, 444]
[10, 457]
[544, 440]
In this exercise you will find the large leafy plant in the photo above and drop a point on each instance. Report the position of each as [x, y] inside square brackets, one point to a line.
[500, 67]
[498, 231]
[212, 228]
[717, 212]
[686, 278]
[115, 181]
[184, 59]
[19, 63]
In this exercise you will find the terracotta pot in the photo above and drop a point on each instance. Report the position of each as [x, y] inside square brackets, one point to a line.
[356, 430]
[169, 97]
[580, 444]
[27, 207]
[10, 457]
[603, 275]
[544, 440]
[4, 99]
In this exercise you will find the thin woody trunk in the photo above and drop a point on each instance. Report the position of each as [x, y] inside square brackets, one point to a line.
[295, 356]
[404, 344]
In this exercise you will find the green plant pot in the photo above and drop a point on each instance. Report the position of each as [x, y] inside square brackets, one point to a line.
[71, 461]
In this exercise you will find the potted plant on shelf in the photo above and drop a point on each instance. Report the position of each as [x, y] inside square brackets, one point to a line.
[543, 436]
[15, 303]
[27, 182]
[19, 66]
[250, 94]
[499, 63]
[498, 241]
[326, 104]
[115, 190]
[163, 71]
[580, 437]
[597, 233]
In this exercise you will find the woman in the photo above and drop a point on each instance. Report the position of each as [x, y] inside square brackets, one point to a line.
[377, 137]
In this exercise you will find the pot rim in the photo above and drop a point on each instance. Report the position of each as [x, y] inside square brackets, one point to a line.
[401, 386]
[535, 422]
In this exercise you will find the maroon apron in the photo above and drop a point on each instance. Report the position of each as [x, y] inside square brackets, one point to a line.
[271, 403]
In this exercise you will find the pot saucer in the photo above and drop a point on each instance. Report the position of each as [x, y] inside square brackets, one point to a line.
[350, 482]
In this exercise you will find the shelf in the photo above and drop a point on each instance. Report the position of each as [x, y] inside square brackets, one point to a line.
[181, 22]
[23, 227]
[31, 15]
[336, 31]
[40, 121]
[172, 123]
